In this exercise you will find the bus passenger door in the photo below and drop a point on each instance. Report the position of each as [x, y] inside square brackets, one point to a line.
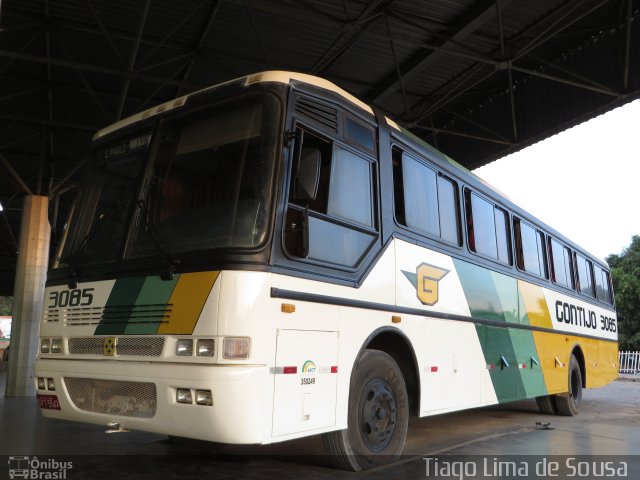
[305, 381]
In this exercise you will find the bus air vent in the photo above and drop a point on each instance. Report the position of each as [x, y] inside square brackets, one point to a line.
[319, 112]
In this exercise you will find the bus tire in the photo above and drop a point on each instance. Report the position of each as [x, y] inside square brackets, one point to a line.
[378, 415]
[568, 404]
[546, 405]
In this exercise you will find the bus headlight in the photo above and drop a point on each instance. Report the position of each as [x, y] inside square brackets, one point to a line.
[183, 395]
[56, 345]
[235, 348]
[205, 347]
[184, 347]
[41, 384]
[45, 344]
[203, 397]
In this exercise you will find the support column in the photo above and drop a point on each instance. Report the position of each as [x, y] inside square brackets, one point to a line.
[31, 272]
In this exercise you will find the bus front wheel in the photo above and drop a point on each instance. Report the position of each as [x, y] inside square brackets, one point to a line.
[569, 404]
[378, 415]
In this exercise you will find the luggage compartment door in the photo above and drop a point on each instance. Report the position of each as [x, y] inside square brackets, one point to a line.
[305, 379]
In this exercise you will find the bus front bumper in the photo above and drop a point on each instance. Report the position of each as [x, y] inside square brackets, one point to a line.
[143, 396]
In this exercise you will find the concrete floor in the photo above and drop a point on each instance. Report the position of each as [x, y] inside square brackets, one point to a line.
[607, 426]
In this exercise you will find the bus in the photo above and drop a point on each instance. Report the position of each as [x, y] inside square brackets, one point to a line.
[272, 258]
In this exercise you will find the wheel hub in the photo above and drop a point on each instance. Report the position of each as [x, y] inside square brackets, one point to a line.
[378, 414]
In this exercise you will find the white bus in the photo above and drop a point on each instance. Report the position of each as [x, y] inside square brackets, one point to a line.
[271, 258]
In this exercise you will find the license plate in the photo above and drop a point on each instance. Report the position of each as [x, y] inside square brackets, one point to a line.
[49, 402]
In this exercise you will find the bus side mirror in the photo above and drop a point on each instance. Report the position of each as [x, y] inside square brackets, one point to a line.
[307, 174]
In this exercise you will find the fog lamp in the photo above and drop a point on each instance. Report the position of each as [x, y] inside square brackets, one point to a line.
[56, 345]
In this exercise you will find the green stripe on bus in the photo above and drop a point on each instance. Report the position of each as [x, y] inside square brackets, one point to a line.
[154, 295]
[507, 290]
[531, 376]
[508, 352]
[500, 358]
[120, 305]
[480, 291]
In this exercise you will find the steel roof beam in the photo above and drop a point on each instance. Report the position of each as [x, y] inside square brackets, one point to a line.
[465, 26]
[105, 32]
[88, 67]
[582, 78]
[23, 186]
[352, 31]
[213, 13]
[83, 79]
[259, 37]
[60, 183]
[24, 47]
[457, 87]
[554, 18]
[463, 134]
[396, 63]
[566, 81]
[13, 142]
[627, 47]
[176, 27]
[478, 125]
[49, 123]
[562, 22]
[133, 56]
[503, 53]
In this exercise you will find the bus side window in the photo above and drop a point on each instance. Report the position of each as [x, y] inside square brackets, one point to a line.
[560, 263]
[602, 284]
[585, 275]
[341, 214]
[487, 228]
[425, 200]
[530, 251]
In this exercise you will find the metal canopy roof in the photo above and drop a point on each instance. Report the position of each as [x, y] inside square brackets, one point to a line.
[476, 78]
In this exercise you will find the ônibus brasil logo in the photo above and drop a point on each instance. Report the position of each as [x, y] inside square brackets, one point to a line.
[32, 468]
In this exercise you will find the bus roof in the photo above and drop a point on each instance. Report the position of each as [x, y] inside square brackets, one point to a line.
[262, 77]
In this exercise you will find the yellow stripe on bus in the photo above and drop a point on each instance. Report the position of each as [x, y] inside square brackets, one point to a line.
[535, 304]
[188, 299]
[555, 350]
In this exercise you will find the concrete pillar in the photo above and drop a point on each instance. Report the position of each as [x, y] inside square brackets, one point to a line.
[31, 273]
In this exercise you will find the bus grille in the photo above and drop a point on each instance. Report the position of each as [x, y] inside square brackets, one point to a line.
[111, 315]
[113, 397]
[140, 346]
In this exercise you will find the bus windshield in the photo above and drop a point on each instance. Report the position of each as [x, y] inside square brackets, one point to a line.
[202, 181]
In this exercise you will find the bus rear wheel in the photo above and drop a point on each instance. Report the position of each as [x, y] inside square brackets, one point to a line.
[378, 415]
[569, 404]
[547, 404]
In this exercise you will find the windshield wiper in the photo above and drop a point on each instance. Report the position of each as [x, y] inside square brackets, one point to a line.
[72, 275]
[168, 262]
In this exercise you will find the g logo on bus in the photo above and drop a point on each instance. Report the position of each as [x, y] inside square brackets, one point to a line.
[426, 281]
[428, 278]
[109, 346]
